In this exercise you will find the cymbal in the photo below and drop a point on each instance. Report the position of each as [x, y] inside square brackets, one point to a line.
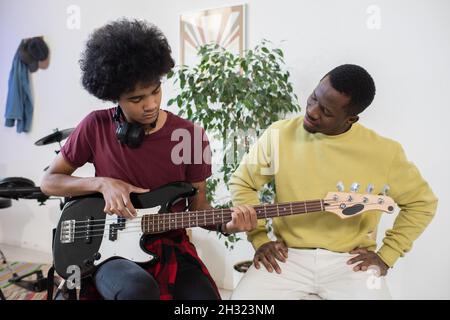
[56, 136]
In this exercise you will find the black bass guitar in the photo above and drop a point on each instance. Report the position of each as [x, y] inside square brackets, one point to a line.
[87, 237]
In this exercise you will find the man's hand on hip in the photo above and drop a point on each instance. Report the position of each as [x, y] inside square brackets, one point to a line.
[366, 259]
[268, 253]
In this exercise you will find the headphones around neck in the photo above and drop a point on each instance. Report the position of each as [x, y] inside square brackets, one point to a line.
[130, 134]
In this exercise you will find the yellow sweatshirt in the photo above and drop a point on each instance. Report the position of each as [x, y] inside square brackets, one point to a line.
[306, 166]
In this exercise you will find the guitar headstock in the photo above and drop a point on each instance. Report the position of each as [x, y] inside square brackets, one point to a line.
[349, 204]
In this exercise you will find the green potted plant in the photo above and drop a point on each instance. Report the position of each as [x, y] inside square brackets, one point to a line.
[230, 96]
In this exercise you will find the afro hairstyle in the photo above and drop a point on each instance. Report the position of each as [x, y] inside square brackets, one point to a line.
[123, 54]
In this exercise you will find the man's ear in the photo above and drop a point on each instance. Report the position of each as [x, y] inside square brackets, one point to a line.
[353, 119]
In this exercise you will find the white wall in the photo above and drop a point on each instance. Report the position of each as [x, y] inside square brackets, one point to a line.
[408, 58]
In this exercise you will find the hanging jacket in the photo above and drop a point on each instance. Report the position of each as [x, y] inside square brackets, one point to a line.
[19, 104]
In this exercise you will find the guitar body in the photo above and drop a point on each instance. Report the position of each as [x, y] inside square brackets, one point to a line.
[86, 236]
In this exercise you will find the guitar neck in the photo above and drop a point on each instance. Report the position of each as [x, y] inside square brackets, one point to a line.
[152, 223]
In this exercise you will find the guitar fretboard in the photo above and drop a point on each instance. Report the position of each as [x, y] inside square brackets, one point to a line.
[152, 223]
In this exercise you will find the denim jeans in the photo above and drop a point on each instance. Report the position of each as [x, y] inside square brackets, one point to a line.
[122, 279]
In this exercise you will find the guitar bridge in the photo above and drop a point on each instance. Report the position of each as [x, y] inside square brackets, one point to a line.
[67, 231]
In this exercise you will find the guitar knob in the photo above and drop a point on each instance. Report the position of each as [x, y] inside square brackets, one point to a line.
[97, 256]
[340, 186]
[88, 263]
[354, 187]
[370, 188]
[386, 189]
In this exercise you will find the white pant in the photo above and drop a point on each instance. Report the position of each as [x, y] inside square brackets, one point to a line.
[311, 274]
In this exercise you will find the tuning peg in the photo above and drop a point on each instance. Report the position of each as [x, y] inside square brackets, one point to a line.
[354, 187]
[340, 186]
[385, 189]
[370, 188]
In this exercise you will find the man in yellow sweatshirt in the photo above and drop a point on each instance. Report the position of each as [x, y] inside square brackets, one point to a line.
[318, 254]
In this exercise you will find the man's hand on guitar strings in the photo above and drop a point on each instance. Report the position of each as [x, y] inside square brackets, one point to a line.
[243, 218]
[117, 197]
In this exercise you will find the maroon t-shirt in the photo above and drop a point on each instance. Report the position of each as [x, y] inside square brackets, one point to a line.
[179, 151]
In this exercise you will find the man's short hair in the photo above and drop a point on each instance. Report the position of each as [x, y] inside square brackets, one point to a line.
[355, 82]
[122, 54]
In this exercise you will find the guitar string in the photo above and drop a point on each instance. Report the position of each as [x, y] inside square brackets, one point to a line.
[169, 218]
[188, 214]
[324, 201]
[138, 228]
[259, 205]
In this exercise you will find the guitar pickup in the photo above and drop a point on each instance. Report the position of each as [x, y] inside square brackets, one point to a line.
[115, 227]
[113, 232]
[121, 223]
[88, 235]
